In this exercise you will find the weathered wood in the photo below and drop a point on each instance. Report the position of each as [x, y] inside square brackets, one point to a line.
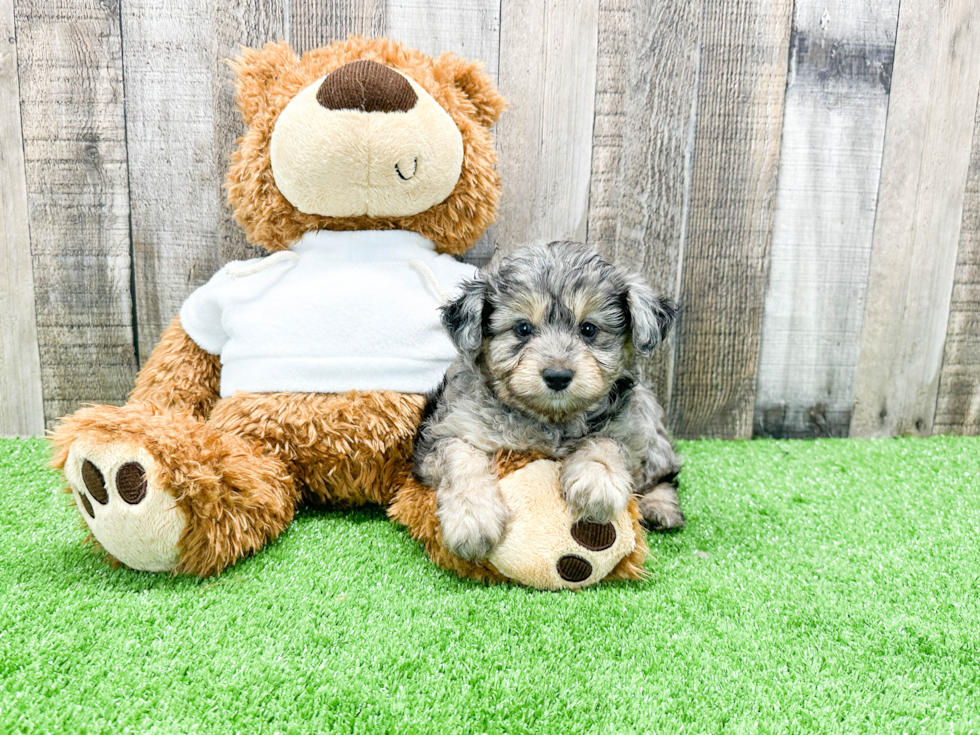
[71, 90]
[315, 23]
[547, 71]
[236, 23]
[736, 153]
[958, 405]
[469, 28]
[920, 204]
[646, 86]
[170, 126]
[841, 56]
[21, 408]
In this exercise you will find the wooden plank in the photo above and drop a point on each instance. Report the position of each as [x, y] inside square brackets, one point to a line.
[469, 28]
[548, 71]
[920, 207]
[736, 153]
[21, 408]
[315, 23]
[958, 404]
[841, 56]
[646, 87]
[71, 91]
[170, 127]
[251, 23]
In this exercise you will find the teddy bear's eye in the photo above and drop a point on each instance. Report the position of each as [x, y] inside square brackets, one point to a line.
[523, 329]
[588, 330]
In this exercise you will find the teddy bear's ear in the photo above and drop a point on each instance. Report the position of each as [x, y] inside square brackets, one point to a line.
[469, 77]
[258, 72]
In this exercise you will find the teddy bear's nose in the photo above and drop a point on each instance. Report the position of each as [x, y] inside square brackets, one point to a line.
[367, 86]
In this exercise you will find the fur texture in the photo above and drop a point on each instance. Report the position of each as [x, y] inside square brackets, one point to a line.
[547, 339]
[239, 472]
[269, 78]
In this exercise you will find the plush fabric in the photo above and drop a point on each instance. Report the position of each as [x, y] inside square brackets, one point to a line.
[269, 78]
[349, 163]
[540, 542]
[350, 311]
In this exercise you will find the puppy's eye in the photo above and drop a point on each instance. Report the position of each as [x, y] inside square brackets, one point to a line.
[523, 329]
[588, 330]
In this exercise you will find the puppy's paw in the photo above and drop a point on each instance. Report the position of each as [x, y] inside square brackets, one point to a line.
[595, 482]
[473, 521]
[661, 508]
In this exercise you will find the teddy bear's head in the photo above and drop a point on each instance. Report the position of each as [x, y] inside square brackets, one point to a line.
[364, 134]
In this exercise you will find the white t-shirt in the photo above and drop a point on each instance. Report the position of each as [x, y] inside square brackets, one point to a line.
[338, 311]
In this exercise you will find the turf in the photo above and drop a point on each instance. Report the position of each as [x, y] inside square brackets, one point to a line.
[827, 586]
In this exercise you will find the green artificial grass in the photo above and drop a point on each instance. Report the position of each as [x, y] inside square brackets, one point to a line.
[826, 586]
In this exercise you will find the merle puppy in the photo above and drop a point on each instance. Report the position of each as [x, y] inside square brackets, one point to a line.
[547, 339]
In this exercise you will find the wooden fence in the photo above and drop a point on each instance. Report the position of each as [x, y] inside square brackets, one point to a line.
[804, 178]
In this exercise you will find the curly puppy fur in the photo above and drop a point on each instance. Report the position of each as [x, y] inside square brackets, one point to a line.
[269, 78]
[547, 340]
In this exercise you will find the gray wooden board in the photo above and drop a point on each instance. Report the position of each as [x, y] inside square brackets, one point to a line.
[958, 403]
[169, 68]
[646, 84]
[71, 90]
[741, 85]
[547, 71]
[250, 23]
[931, 118]
[841, 56]
[21, 407]
[469, 28]
[315, 23]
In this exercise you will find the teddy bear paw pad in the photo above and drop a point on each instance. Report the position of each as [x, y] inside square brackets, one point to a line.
[129, 514]
[573, 568]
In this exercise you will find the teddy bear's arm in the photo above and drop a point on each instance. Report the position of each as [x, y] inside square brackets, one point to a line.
[179, 375]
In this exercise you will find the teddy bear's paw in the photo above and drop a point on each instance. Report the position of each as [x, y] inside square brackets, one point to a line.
[661, 508]
[596, 489]
[544, 547]
[118, 493]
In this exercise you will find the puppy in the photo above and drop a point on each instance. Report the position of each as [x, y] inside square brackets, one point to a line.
[547, 339]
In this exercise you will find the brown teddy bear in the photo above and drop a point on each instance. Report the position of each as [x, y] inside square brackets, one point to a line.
[298, 378]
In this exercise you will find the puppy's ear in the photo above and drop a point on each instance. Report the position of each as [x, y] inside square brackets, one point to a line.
[463, 317]
[650, 316]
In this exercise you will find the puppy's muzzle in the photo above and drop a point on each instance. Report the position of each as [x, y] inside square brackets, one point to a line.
[557, 378]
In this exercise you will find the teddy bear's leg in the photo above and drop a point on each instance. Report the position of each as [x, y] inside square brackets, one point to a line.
[159, 489]
[164, 491]
[343, 449]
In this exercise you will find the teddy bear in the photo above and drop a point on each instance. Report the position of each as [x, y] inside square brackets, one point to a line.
[300, 377]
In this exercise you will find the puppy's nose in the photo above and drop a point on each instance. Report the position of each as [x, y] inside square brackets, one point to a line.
[557, 378]
[366, 86]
